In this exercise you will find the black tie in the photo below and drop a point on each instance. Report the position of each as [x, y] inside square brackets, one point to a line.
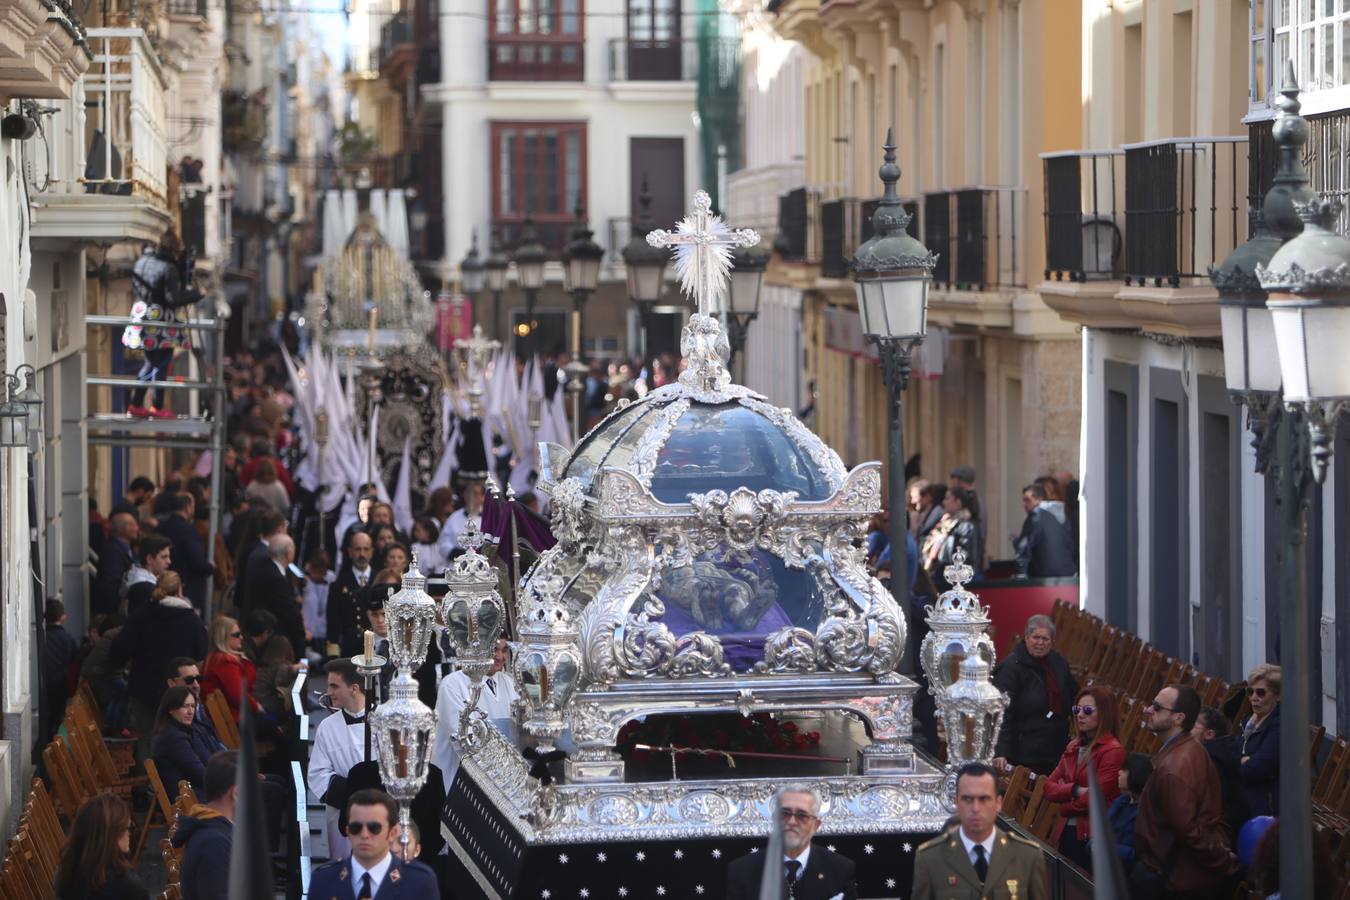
[492, 686]
[792, 867]
[366, 892]
[981, 863]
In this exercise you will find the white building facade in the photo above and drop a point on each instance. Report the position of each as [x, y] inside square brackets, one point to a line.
[547, 109]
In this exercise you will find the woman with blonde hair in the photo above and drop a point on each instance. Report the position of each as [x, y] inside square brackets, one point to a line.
[227, 669]
[96, 859]
[1259, 743]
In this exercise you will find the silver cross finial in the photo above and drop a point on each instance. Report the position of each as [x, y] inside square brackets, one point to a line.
[703, 245]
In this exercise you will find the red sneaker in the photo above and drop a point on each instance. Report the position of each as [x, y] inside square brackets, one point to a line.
[138, 412]
[162, 414]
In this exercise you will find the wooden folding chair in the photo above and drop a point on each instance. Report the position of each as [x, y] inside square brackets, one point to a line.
[1034, 802]
[121, 749]
[1017, 792]
[82, 722]
[227, 729]
[67, 789]
[160, 804]
[1043, 824]
[172, 859]
[1332, 768]
[30, 868]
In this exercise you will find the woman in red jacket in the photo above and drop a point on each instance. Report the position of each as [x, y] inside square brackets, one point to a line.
[1094, 715]
[227, 664]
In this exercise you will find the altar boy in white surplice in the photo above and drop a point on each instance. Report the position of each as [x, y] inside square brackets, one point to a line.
[339, 744]
[496, 699]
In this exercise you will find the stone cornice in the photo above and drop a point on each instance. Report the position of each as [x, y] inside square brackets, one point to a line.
[48, 56]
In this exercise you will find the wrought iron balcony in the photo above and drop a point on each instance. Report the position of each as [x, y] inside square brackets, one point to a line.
[534, 58]
[632, 60]
[1083, 197]
[193, 207]
[976, 232]
[395, 35]
[840, 235]
[196, 8]
[792, 225]
[428, 64]
[553, 235]
[1185, 207]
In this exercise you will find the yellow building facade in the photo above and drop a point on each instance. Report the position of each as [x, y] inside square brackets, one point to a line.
[974, 91]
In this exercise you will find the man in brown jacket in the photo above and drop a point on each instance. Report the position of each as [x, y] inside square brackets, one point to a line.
[1180, 834]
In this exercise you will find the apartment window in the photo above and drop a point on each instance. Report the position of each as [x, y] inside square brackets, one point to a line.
[1314, 33]
[536, 40]
[538, 172]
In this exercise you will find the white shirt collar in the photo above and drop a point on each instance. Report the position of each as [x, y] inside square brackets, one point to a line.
[803, 859]
[987, 844]
[377, 873]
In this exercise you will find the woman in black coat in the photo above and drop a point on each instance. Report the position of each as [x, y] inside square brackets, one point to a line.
[1259, 744]
[1040, 689]
[179, 749]
[96, 859]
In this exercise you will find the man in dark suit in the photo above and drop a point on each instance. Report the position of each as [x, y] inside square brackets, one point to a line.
[372, 871]
[114, 562]
[269, 587]
[251, 558]
[1045, 546]
[189, 556]
[811, 871]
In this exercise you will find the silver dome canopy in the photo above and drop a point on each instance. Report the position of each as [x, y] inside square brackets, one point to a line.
[709, 555]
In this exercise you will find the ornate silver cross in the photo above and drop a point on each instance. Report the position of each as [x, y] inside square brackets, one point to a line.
[703, 245]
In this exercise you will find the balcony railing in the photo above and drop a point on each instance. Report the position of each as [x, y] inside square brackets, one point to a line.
[1083, 225]
[792, 225]
[530, 58]
[975, 232]
[193, 208]
[840, 235]
[393, 34]
[1327, 157]
[186, 8]
[1184, 200]
[631, 60]
[125, 111]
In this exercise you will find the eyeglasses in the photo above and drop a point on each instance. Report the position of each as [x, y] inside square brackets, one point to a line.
[190, 679]
[1084, 710]
[799, 814]
[1257, 692]
[374, 828]
[1158, 707]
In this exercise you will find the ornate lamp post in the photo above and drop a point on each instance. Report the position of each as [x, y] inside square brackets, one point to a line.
[581, 275]
[14, 417]
[1296, 314]
[404, 726]
[530, 258]
[473, 615]
[747, 281]
[29, 396]
[892, 272]
[494, 274]
[472, 270]
[645, 266]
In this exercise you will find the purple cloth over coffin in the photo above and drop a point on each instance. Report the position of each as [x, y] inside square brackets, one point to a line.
[742, 649]
[530, 527]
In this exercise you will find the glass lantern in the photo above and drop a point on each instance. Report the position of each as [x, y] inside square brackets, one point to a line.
[403, 730]
[411, 614]
[547, 669]
[472, 611]
[958, 625]
[972, 714]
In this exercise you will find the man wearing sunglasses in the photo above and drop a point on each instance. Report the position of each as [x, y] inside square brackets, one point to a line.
[183, 671]
[1180, 833]
[372, 871]
[810, 871]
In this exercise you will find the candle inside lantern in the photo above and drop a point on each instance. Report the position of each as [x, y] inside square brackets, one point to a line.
[370, 646]
[543, 685]
[374, 313]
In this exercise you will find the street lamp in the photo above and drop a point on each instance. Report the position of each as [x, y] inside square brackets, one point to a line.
[472, 270]
[645, 266]
[747, 282]
[530, 258]
[581, 260]
[494, 271]
[1304, 325]
[891, 273]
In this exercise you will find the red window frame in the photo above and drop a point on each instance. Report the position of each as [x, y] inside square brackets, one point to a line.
[558, 54]
[552, 225]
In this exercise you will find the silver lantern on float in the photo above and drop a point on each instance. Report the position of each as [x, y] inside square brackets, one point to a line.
[474, 616]
[958, 625]
[404, 729]
[411, 615]
[972, 713]
[547, 667]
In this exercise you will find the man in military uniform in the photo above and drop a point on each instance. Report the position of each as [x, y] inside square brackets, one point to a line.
[974, 860]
